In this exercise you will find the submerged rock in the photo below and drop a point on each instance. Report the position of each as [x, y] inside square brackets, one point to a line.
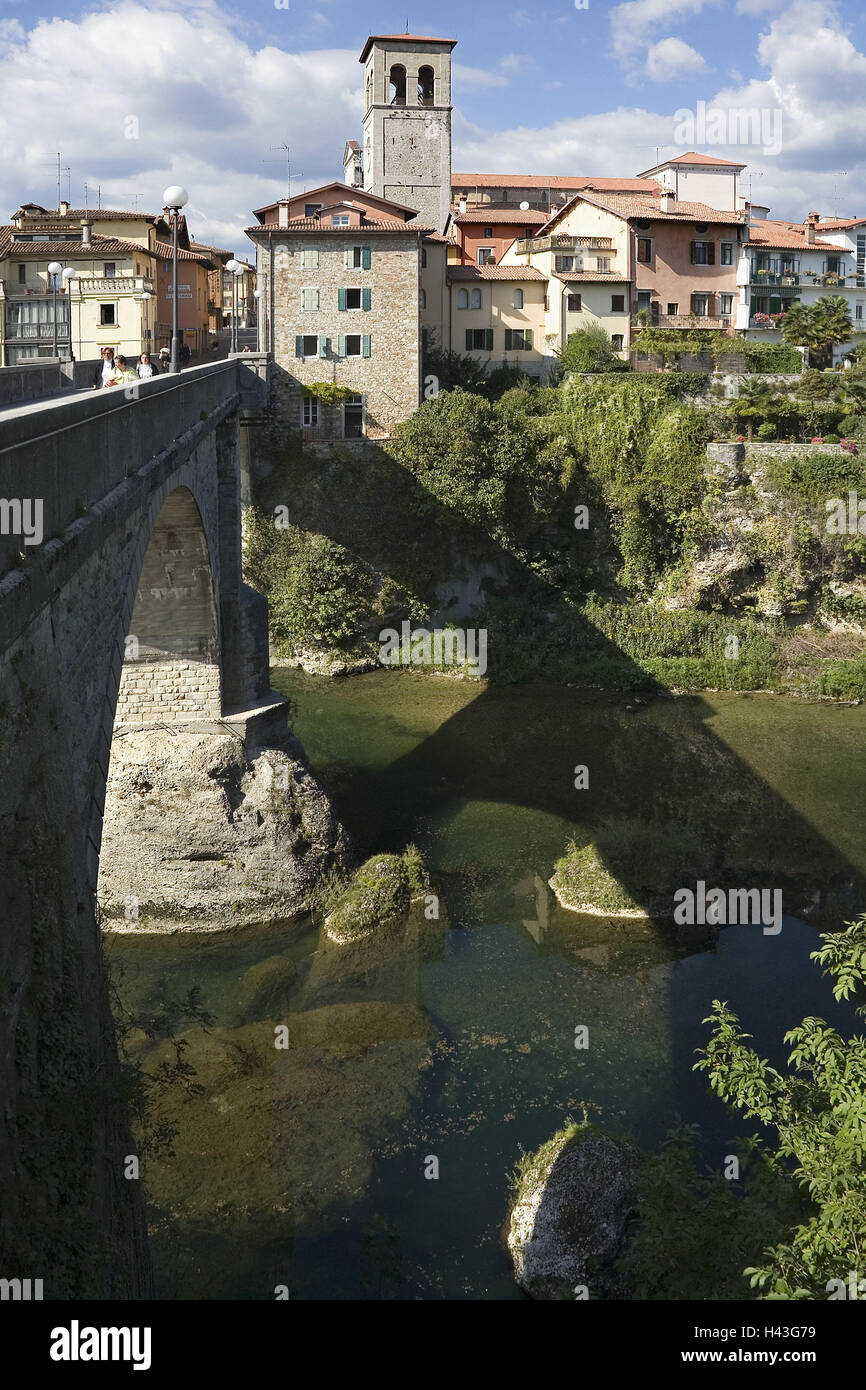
[204, 830]
[574, 1196]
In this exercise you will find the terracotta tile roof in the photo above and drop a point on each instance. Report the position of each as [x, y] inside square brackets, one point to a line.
[312, 224]
[785, 236]
[512, 215]
[839, 224]
[401, 38]
[493, 272]
[437, 236]
[100, 246]
[214, 250]
[599, 275]
[349, 192]
[576, 181]
[629, 205]
[165, 251]
[707, 160]
[55, 216]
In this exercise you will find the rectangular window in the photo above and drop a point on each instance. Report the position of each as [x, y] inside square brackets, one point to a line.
[565, 263]
[307, 345]
[644, 250]
[616, 340]
[703, 253]
[673, 308]
[858, 311]
[352, 299]
[726, 303]
[312, 209]
[485, 257]
[699, 305]
[309, 300]
[602, 263]
[353, 345]
[727, 253]
[109, 269]
[573, 303]
[22, 274]
[340, 219]
[310, 258]
[644, 299]
[107, 315]
[479, 340]
[357, 258]
[518, 339]
[617, 304]
[310, 415]
[353, 418]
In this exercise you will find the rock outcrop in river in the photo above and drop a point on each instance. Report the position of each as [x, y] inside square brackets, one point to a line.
[567, 1225]
[207, 830]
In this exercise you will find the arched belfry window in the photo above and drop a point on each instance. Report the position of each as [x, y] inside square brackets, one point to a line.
[397, 85]
[426, 81]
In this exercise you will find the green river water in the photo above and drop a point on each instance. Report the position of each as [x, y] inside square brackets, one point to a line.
[454, 1038]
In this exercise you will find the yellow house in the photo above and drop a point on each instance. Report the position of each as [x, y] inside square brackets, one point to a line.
[582, 253]
[109, 300]
[497, 314]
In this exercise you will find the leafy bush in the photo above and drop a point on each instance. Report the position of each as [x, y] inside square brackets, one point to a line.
[591, 350]
[326, 595]
[767, 430]
[845, 680]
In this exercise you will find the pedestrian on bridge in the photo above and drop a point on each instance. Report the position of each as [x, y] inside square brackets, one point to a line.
[104, 368]
[145, 367]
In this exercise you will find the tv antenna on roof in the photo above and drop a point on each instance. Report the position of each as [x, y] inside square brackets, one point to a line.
[289, 174]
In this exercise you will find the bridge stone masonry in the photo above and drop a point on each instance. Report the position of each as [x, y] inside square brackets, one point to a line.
[144, 760]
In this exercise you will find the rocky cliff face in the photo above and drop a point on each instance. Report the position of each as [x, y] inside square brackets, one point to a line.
[206, 828]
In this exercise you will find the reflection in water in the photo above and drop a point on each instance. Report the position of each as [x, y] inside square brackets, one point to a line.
[455, 1038]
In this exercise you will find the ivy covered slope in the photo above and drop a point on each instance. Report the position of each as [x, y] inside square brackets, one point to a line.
[584, 528]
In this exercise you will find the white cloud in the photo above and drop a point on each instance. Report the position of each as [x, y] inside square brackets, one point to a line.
[516, 63]
[475, 77]
[632, 23]
[208, 106]
[669, 59]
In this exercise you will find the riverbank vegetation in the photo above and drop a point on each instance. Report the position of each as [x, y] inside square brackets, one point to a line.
[583, 526]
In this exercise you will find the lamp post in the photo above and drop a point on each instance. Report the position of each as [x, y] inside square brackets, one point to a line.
[237, 287]
[257, 296]
[68, 275]
[54, 269]
[233, 267]
[174, 198]
[145, 297]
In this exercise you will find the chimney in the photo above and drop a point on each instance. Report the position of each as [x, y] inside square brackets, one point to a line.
[283, 213]
[64, 208]
[85, 233]
[810, 231]
[666, 201]
[462, 206]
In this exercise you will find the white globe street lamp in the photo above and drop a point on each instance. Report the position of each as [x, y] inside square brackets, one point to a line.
[233, 266]
[54, 269]
[146, 296]
[174, 197]
[67, 275]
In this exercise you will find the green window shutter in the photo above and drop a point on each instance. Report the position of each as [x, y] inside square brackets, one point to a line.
[489, 339]
[508, 340]
[341, 299]
[469, 340]
[323, 345]
[299, 345]
[365, 297]
[341, 345]
[365, 345]
[365, 258]
[527, 337]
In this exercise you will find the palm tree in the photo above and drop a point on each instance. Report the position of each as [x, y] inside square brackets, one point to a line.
[818, 326]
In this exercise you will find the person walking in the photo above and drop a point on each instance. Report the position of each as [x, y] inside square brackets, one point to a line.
[184, 354]
[145, 367]
[123, 373]
[104, 368]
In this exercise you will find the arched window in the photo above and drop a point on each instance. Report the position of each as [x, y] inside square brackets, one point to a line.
[425, 86]
[397, 85]
[475, 302]
[518, 299]
[462, 299]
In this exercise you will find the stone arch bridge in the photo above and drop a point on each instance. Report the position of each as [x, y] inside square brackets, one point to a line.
[121, 598]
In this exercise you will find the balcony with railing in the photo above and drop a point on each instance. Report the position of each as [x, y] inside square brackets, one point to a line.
[687, 321]
[526, 246]
[113, 284]
[773, 277]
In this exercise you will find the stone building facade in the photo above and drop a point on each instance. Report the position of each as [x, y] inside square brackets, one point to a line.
[340, 272]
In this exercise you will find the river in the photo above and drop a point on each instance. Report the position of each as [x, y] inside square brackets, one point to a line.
[450, 1042]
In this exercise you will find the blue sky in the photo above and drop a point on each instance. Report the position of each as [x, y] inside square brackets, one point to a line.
[542, 88]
